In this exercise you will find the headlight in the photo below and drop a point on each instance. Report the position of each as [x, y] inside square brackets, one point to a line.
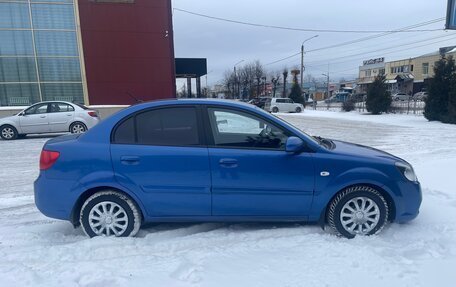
[407, 171]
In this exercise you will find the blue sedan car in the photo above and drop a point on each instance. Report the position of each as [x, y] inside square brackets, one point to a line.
[212, 160]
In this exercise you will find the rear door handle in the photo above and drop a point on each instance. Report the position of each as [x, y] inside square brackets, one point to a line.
[129, 160]
[228, 163]
[42, 117]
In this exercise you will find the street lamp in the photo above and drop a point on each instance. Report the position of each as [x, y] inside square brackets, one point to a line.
[302, 58]
[236, 79]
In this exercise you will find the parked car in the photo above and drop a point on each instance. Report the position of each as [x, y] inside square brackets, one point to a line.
[48, 117]
[338, 98]
[358, 98]
[284, 105]
[259, 102]
[211, 160]
[400, 97]
[420, 96]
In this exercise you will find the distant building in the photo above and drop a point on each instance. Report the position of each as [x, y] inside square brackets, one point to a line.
[403, 76]
[86, 51]
[368, 71]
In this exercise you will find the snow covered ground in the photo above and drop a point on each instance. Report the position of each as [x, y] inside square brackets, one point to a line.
[38, 251]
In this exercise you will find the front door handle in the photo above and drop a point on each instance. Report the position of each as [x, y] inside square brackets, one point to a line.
[42, 117]
[228, 162]
[129, 160]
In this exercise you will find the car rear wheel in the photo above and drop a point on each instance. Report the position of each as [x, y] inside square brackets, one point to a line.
[78, 128]
[298, 109]
[110, 213]
[8, 132]
[275, 109]
[358, 210]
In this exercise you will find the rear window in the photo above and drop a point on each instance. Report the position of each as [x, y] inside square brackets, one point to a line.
[82, 106]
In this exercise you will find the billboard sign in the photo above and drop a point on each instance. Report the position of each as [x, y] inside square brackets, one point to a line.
[451, 15]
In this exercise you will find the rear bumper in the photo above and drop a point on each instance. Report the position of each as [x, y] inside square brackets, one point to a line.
[54, 198]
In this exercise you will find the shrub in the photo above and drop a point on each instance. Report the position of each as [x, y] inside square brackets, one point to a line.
[348, 105]
[378, 98]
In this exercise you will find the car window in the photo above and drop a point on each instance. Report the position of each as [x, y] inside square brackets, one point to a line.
[170, 126]
[60, 107]
[289, 101]
[125, 132]
[164, 127]
[238, 129]
[37, 109]
[280, 101]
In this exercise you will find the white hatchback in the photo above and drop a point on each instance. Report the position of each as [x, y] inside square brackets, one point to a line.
[285, 105]
[48, 117]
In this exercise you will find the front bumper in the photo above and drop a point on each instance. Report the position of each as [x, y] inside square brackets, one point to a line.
[408, 198]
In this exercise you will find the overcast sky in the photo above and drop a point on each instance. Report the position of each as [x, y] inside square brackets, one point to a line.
[224, 44]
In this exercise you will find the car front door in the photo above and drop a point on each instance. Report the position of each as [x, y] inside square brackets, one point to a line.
[252, 174]
[35, 119]
[158, 154]
[60, 117]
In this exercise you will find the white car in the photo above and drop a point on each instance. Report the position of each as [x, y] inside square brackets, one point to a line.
[284, 105]
[48, 117]
[400, 97]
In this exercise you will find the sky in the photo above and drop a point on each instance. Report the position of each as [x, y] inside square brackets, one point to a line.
[224, 44]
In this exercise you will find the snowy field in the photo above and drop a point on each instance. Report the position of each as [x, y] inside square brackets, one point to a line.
[38, 251]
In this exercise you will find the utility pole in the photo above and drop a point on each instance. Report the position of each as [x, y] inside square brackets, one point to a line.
[327, 84]
[302, 59]
[236, 90]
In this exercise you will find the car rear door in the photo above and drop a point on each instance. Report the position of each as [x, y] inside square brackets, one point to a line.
[159, 155]
[35, 119]
[252, 175]
[60, 117]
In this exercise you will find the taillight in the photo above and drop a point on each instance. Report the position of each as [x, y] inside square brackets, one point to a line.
[48, 158]
[93, 114]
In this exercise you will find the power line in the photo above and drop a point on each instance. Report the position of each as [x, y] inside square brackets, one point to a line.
[383, 49]
[361, 39]
[301, 29]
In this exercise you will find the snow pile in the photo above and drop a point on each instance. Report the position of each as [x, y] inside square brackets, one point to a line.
[38, 251]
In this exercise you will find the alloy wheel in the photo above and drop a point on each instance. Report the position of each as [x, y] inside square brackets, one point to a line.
[108, 218]
[360, 215]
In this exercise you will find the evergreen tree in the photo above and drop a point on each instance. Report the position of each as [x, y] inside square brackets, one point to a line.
[296, 94]
[378, 98]
[439, 105]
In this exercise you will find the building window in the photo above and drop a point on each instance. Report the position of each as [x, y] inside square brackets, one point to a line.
[368, 73]
[425, 68]
[49, 71]
[381, 71]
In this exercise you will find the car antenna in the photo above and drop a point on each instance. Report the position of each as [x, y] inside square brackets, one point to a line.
[134, 98]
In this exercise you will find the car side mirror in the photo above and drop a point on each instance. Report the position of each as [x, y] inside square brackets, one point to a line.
[294, 145]
[21, 114]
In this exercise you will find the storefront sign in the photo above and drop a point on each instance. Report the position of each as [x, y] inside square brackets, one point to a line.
[373, 61]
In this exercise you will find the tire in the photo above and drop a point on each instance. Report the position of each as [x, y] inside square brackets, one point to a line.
[8, 132]
[348, 205]
[104, 209]
[275, 109]
[298, 110]
[78, 128]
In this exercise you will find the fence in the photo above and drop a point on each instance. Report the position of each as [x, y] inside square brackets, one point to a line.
[397, 107]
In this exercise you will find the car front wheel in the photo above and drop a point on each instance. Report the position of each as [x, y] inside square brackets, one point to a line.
[275, 110]
[110, 213]
[298, 110]
[8, 132]
[358, 210]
